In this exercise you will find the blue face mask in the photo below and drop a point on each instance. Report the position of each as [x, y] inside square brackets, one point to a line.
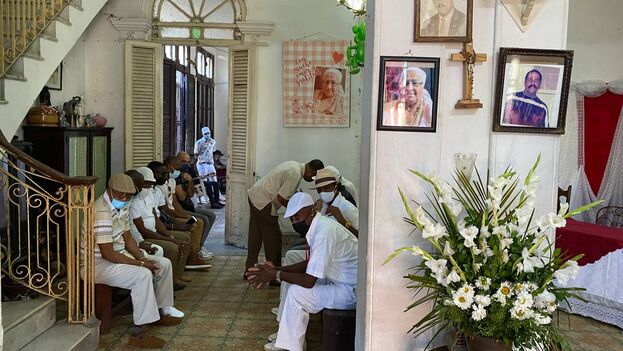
[175, 174]
[118, 204]
[206, 136]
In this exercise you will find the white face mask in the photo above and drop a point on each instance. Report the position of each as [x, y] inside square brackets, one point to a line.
[327, 196]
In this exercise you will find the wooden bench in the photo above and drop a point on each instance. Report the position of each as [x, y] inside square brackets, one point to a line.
[104, 309]
[338, 330]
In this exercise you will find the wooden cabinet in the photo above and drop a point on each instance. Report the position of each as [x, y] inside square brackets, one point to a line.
[73, 151]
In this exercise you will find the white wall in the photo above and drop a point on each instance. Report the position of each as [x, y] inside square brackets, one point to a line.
[221, 97]
[275, 144]
[393, 153]
[74, 70]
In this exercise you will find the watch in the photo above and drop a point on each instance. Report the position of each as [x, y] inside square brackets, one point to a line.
[278, 277]
[348, 224]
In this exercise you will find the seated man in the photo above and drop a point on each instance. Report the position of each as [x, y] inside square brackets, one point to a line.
[327, 280]
[120, 263]
[346, 187]
[147, 228]
[221, 171]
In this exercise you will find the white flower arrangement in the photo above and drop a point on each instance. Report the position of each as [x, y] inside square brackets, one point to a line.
[492, 267]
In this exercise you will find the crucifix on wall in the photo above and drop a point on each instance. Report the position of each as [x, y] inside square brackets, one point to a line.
[469, 58]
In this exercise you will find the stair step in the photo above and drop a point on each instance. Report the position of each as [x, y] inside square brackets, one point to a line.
[14, 77]
[34, 50]
[63, 17]
[77, 4]
[23, 321]
[65, 336]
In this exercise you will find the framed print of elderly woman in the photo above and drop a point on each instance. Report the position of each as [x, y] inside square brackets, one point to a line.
[315, 83]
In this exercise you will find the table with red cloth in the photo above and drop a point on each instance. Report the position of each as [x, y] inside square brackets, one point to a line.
[601, 269]
[592, 240]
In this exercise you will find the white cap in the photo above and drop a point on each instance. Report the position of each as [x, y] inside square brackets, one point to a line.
[147, 174]
[297, 202]
[205, 130]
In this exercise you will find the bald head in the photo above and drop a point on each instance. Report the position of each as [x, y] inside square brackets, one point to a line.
[184, 158]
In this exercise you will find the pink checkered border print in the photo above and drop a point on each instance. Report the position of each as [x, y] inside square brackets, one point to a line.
[304, 62]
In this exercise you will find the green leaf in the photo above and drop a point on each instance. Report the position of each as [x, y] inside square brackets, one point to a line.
[582, 209]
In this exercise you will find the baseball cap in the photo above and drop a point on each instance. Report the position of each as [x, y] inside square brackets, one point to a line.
[148, 174]
[205, 130]
[324, 177]
[121, 183]
[297, 202]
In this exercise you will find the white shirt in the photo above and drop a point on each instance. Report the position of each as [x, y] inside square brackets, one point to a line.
[142, 207]
[282, 180]
[167, 189]
[349, 211]
[444, 24]
[204, 150]
[333, 252]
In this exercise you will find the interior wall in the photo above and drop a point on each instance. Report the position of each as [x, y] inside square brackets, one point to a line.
[319, 20]
[73, 76]
[221, 97]
[393, 153]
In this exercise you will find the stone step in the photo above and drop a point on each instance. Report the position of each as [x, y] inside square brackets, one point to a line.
[23, 321]
[65, 336]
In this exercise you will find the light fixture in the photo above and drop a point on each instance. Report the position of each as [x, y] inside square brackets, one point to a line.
[358, 7]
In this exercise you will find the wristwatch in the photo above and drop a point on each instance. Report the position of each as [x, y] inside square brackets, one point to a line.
[278, 277]
[348, 224]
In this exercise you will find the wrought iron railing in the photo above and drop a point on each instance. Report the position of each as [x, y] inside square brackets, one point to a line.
[21, 22]
[46, 231]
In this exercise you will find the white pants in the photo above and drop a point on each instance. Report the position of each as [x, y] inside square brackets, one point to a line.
[291, 257]
[207, 169]
[149, 291]
[299, 302]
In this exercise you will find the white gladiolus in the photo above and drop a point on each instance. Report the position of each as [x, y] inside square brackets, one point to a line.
[564, 207]
[544, 300]
[447, 249]
[436, 266]
[504, 243]
[484, 232]
[551, 220]
[505, 255]
[420, 216]
[469, 234]
[452, 277]
[435, 231]
[568, 271]
[454, 207]
[529, 262]
[479, 313]
[542, 320]
[501, 230]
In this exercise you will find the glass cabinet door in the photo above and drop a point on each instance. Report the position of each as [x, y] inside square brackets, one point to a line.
[77, 154]
[100, 161]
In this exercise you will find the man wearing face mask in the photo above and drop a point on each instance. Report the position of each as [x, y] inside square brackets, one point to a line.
[120, 263]
[334, 205]
[171, 210]
[327, 280]
[204, 149]
[146, 228]
[265, 198]
[345, 187]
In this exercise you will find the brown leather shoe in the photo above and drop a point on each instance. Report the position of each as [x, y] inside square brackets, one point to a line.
[185, 279]
[168, 321]
[146, 341]
[194, 262]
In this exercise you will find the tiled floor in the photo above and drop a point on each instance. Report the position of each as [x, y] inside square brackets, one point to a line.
[223, 313]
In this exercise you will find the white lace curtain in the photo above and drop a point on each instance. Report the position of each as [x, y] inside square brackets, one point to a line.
[572, 154]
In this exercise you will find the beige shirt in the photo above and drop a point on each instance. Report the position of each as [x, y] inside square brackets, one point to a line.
[282, 180]
[110, 224]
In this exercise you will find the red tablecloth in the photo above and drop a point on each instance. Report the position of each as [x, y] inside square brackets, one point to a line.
[592, 240]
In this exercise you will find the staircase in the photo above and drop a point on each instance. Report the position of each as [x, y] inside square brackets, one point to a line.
[31, 325]
[22, 82]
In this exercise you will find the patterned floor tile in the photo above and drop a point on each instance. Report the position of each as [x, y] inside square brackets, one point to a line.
[195, 343]
[205, 326]
[258, 311]
[252, 327]
[233, 344]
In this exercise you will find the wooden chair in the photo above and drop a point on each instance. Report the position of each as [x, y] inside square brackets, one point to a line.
[611, 216]
[563, 193]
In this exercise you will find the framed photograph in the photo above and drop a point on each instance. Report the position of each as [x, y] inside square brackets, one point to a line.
[408, 91]
[532, 90]
[316, 83]
[56, 79]
[443, 20]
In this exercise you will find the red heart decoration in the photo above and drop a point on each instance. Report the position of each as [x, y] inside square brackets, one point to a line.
[337, 57]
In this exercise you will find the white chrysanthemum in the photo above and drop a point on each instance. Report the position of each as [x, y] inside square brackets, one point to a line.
[542, 320]
[483, 283]
[544, 300]
[447, 249]
[568, 271]
[468, 290]
[530, 287]
[523, 300]
[452, 277]
[479, 313]
[435, 231]
[462, 300]
[506, 289]
[520, 313]
[482, 300]
[469, 234]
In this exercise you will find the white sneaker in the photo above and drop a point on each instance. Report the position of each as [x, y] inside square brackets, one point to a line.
[271, 347]
[205, 254]
[272, 337]
[275, 310]
[173, 312]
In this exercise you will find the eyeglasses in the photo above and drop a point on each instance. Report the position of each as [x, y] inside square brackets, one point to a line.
[121, 196]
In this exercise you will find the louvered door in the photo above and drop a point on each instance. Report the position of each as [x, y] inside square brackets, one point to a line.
[189, 123]
[143, 103]
[241, 158]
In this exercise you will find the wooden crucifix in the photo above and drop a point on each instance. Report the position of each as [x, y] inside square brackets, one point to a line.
[469, 58]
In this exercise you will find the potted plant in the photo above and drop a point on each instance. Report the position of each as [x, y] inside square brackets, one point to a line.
[490, 270]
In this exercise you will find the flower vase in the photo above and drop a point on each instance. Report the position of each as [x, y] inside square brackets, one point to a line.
[481, 343]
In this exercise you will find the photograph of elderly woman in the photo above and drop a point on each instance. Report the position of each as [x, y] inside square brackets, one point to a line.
[329, 91]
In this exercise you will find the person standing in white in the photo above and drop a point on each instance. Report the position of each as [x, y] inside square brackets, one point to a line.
[120, 263]
[327, 280]
[204, 151]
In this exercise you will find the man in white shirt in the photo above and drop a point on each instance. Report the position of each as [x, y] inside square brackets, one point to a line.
[327, 280]
[204, 151]
[345, 186]
[120, 263]
[265, 198]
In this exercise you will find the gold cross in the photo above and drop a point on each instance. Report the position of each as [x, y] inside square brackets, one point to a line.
[469, 58]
